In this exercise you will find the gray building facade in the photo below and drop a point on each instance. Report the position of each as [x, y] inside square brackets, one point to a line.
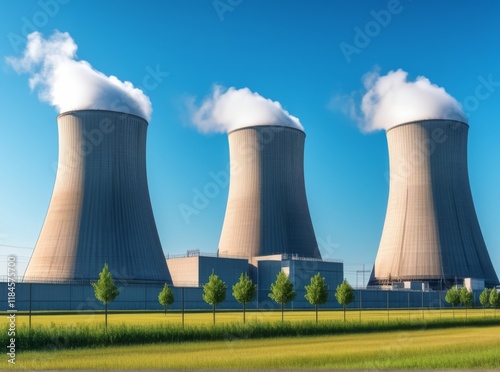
[299, 270]
[193, 271]
[144, 296]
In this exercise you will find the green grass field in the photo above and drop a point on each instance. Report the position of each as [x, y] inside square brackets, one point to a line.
[437, 342]
[200, 318]
[466, 348]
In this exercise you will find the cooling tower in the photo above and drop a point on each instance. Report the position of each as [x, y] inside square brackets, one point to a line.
[100, 211]
[267, 211]
[431, 231]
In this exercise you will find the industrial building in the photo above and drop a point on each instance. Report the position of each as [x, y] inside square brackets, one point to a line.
[431, 231]
[267, 211]
[267, 227]
[300, 270]
[193, 269]
[100, 211]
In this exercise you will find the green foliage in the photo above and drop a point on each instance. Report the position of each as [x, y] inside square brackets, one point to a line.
[453, 296]
[440, 349]
[166, 297]
[344, 294]
[465, 297]
[105, 289]
[214, 292]
[59, 337]
[317, 292]
[282, 291]
[244, 291]
[484, 297]
[494, 298]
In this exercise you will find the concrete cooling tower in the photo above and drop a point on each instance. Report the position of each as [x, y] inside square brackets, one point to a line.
[431, 231]
[267, 211]
[100, 211]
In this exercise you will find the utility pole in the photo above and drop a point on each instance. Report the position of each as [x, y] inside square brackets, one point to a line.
[360, 304]
[363, 272]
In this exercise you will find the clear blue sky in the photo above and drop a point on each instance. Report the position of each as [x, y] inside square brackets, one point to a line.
[288, 51]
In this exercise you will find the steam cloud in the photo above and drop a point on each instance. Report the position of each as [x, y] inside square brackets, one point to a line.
[70, 84]
[227, 110]
[392, 99]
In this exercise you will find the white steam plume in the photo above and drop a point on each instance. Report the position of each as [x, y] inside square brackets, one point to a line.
[229, 109]
[392, 99]
[70, 84]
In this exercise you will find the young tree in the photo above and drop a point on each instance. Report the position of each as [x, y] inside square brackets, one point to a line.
[453, 297]
[105, 290]
[166, 297]
[244, 291]
[282, 291]
[317, 292]
[484, 299]
[344, 294]
[494, 299]
[465, 299]
[214, 292]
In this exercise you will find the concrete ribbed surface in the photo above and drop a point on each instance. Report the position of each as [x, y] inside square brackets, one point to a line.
[431, 230]
[100, 211]
[267, 211]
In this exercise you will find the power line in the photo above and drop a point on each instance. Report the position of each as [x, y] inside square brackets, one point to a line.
[14, 246]
[19, 258]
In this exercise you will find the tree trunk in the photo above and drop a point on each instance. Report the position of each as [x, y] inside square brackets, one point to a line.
[165, 310]
[106, 315]
[344, 313]
[214, 314]
[453, 312]
[465, 312]
[282, 313]
[316, 314]
[244, 308]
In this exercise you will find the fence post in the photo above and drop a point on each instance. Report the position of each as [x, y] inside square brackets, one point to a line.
[360, 303]
[30, 310]
[182, 300]
[409, 311]
[439, 304]
[388, 306]
[422, 300]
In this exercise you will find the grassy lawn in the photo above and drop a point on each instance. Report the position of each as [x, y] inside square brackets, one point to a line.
[465, 348]
[204, 318]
